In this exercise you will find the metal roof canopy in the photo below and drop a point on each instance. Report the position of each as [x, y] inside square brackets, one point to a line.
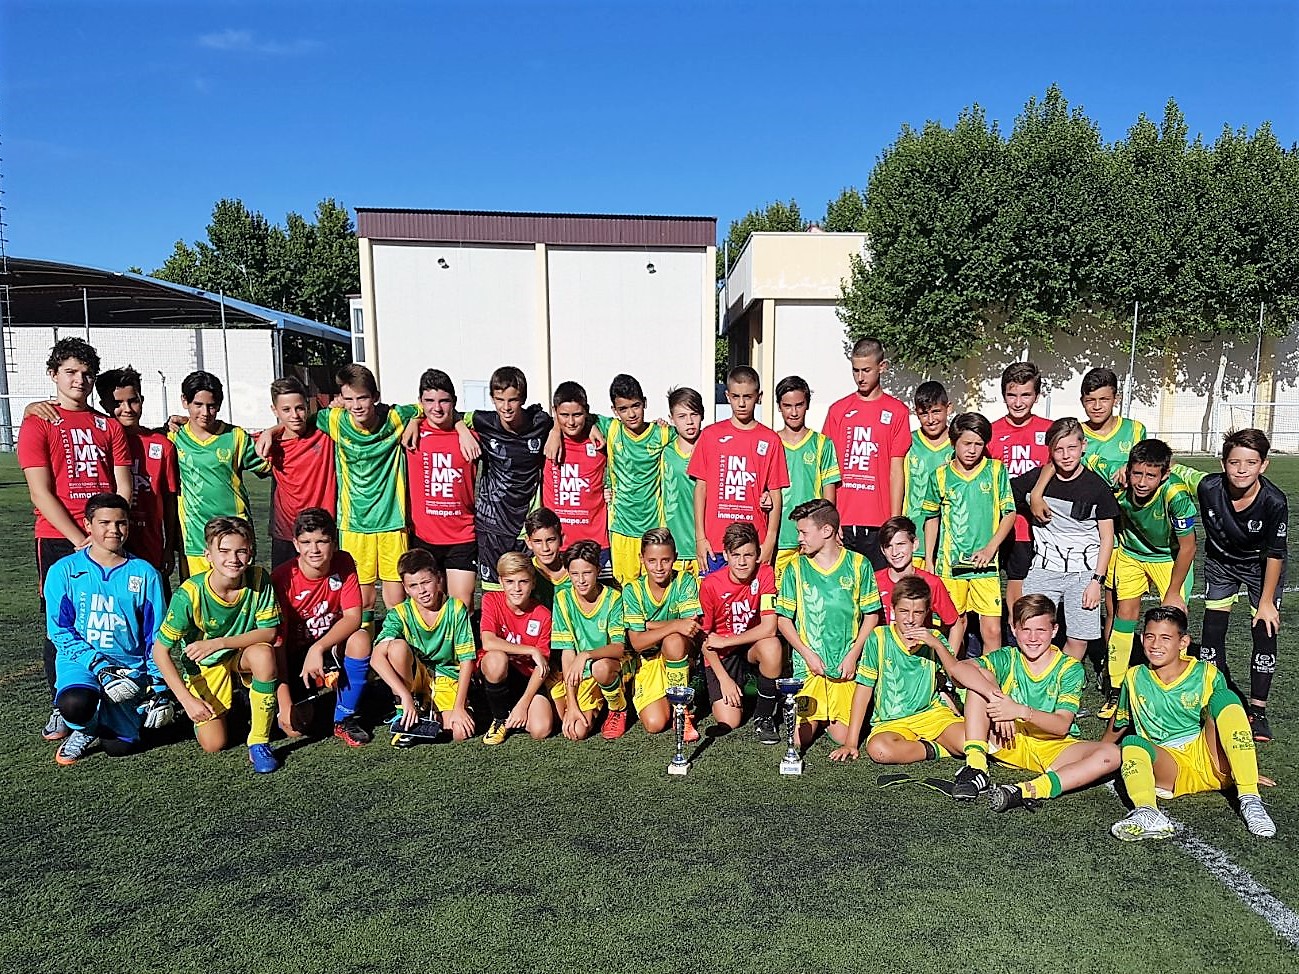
[54, 294]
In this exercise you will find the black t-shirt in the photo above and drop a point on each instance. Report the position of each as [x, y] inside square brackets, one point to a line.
[511, 469]
[1243, 539]
[1071, 540]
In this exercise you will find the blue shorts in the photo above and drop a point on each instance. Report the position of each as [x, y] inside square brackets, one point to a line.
[119, 720]
[714, 563]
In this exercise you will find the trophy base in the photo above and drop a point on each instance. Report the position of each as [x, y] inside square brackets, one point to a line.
[791, 767]
[681, 768]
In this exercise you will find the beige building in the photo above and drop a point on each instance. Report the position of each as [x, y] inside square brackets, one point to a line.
[580, 297]
[778, 305]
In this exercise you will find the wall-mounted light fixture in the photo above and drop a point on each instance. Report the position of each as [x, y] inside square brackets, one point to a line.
[442, 263]
[650, 268]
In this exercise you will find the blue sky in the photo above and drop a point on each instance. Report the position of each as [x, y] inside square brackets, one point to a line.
[122, 123]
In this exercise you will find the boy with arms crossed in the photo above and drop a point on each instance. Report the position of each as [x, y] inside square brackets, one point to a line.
[515, 658]
[1022, 703]
[871, 436]
[320, 613]
[302, 463]
[221, 625]
[931, 446]
[426, 649]
[971, 511]
[588, 629]
[213, 457]
[441, 484]
[734, 464]
[103, 607]
[809, 460]
[686, 413]
[827, 608]
[899, 669]
[661, 612]
[1246, 528]
[739, 625]
[1019, 441]
[65, 462]
[1182, 731]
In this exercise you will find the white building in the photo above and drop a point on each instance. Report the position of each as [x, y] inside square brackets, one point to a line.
[561, 296]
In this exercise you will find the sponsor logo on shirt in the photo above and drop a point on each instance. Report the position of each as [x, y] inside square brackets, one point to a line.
[860, 449]
[571, 486]
[735, 485]
[534, 627]
[102, 622]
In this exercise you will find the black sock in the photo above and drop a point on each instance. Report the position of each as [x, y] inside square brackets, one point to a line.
[498, 699]
[931, 750]
[1213, 638]
[766, 703]
[1262, 664]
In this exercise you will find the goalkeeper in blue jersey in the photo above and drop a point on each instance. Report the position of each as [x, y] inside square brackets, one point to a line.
[103, 607]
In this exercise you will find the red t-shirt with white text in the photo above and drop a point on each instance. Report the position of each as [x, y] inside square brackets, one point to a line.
[737, 466]
[731, 607]
[574, 490]
[1021, 449]
[310, 607]
[441, 485]
[867, 435]
[943, 605]
[532, 628]
[80, 451]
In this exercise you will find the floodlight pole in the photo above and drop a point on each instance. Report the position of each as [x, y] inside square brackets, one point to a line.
[225, 347]
[1132, 361]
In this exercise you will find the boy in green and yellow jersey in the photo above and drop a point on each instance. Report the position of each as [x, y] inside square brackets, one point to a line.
[661, 611]
[543, 533]
[931, 447]
[635, 449]
[898, 671]
[426, 649]
[810, 460]
[1182, 732]
[221, 625]
[1109, 436]
[212, 457]
[1020, 711]
[828, 605]
[686, 413]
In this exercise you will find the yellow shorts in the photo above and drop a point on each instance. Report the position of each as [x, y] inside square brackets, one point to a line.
[823, 699]
[197, 564]
[1131, 578]
[375, 554]
[625, 552]
[1034, 754]
[651, 682]
[589, 697]
[979, 595]
[215, 684]
[690, 565]
[444, 689]
[928, 725]
[1195, 770]
[784, 558]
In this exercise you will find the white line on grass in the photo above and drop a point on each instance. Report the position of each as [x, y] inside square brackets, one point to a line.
[1249, 890]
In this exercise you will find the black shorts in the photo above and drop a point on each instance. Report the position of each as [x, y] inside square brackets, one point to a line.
[1222, 582]
[282, 551]
[461, 557]
[864, 541]
[1016, 559]
[737, 667]
[490, 548]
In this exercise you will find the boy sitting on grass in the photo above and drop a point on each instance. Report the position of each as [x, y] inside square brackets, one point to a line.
[515, 658]
[426, 649]
[221, 624]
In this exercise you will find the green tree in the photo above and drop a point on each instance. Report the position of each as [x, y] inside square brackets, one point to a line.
[846, 213]
[773, 217]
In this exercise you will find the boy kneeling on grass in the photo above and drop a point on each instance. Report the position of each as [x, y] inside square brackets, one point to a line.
[426, 650]
[515, 658]
[898, 668]
[221, 624]
[1182, 731]
[1021, 706]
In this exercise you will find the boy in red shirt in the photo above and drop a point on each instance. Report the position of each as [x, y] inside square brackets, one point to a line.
[441, 485]
[65, 463]
[871, 432]
[1019, 441]
[320, 611]
[733, 464]
[739, 623]
[898, 545]
[302, 463]
[515, 654]
[155, 528]
[574, 486]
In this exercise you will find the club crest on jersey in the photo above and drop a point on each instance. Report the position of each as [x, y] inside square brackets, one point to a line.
[1190, 699]
[1255, 527]
[135, 584]
[886, 417]
[534, 627]
[591, 450]
[534, 445]
[845, 584]
[155, 451]
[808, 459]
[762, 448]
[101, 423]
[335, 583]
[1039, 439]
[1125, 446]
[985, 487]
[223, 454]
[753, 587]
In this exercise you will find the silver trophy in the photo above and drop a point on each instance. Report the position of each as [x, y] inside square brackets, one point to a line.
[788, 687]
[679, 698]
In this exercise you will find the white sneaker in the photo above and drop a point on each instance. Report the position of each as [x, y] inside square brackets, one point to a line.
[1257, 820]
[1143, 822]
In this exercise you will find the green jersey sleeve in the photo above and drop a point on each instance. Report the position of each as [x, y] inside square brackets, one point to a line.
[1123, 711]
[828, 461]
[1182, 510]
[999, 663]
[617, 628]
[602, 423]
[408, 412]
[462, 633]
[179, 622]
[248, 458]
[1190, 475]
[787, 598]
[686, 605]
[928, 494]
[868, 671]
[266, 611]
[868, 596]
[633, 606]
[322, 418]
[1005, 496]
[1072, 681]
[394, 626]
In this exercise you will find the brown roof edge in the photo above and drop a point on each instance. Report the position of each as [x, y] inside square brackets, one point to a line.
[472, 226]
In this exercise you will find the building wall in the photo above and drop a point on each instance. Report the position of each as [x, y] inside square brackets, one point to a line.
[809, 343]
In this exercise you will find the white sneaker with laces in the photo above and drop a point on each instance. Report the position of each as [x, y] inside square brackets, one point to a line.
[1143, 822]
[1257, 820]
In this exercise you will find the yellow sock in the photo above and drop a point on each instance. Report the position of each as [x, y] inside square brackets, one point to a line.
[1120, 651]
[261, 701]
[1238, 741]
[1138, 772]
[976, 755]
[613, 695]
[677, 672]
[1043, 786]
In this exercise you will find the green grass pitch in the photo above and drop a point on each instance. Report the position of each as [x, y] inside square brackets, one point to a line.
[551, 856]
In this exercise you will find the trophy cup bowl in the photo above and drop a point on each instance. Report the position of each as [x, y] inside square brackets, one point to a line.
[679, 698]
[791, 762]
